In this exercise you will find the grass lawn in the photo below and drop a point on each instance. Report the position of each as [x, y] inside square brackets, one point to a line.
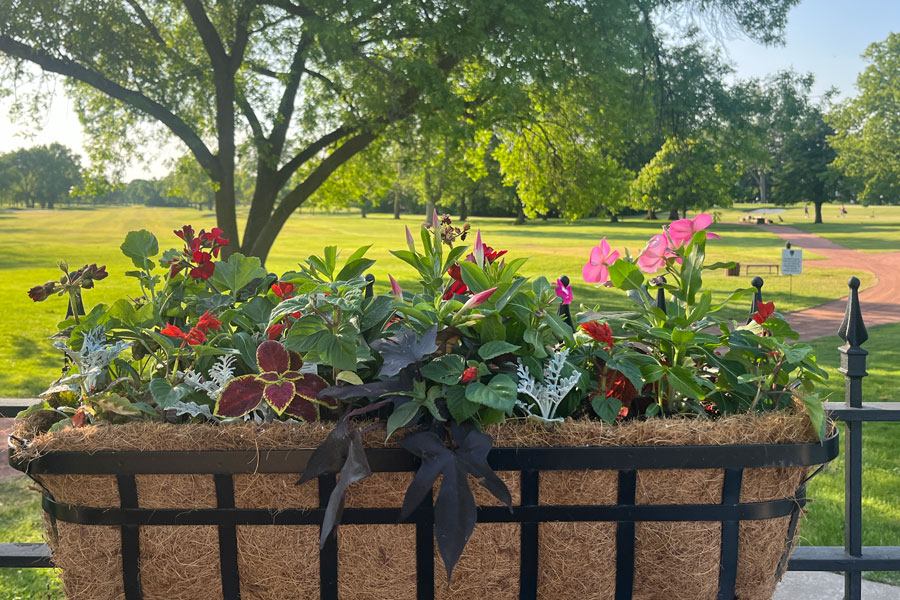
[881, 462]
[31, 242]
[865, 228]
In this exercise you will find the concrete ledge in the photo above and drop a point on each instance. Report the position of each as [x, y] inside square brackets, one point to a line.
[816, 585]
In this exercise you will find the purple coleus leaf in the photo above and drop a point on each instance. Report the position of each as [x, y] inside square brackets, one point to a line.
[272, 356]
[240, 396]
[280, 384]
[279, 395]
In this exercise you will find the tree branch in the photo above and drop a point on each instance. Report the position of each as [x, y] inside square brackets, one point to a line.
[69, 68]
[212, 42]
[259, 136]
[291, 8]
[145, 20]
[290, 167]
[289, 95]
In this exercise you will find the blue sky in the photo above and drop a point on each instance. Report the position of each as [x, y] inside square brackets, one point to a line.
[825, 37]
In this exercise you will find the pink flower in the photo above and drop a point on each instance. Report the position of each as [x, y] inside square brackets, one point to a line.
[682, 230]
[654, 255]
[596, 270]
[478, 299]
[409, 240]
[563, 291]
[395, 288]
[479, 250]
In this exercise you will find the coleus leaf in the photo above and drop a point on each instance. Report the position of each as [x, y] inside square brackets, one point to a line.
[309, 387]
[240, 396]
[404, 349]
[454, 509]
[302, 409]
[279, 395]
[271, 356]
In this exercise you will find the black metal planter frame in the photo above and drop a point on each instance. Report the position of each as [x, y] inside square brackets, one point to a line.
[222, 465]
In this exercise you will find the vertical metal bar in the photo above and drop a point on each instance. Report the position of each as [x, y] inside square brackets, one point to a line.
[529, 548]
[756, 282]
[729, 550]
[131, 540]
[228, 546]
[625, 537]
[425, 551]
[328, 554]
[853, 367]
[661, 294]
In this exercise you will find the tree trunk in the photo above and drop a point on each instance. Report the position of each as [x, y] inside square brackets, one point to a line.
[651, 215]
[520, 211]
[818, 212]
[673, 214]
[763, 189]
[463, 208]
[396, 204]
[362, 210]
[613, 217]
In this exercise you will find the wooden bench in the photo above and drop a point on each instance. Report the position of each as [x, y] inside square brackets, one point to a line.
[768, 266]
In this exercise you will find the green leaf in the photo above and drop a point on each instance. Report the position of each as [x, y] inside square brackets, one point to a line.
[338, 351]
[680, 336]
[460, 408]
[401, 416]
[140, 246]
[473, 277]
[494, 349]
[682, 380]
[626, 276]
[354, 269]
[236, 272]
[164, 394]
[560, 328]
[492, 328]
[630, 370]
[445, 369]
[816, 411]
[349, 377]
[247, 349]
[606, 408]
[500, 393]
[376, 312]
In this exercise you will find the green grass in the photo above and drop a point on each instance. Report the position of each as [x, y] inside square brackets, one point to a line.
[865, 228]
[20, 521]
[881, 462]
[31, 242]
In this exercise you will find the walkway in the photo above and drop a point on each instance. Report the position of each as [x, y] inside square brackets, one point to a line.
[880, 303]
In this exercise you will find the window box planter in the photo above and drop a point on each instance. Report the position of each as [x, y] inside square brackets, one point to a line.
[205, 512]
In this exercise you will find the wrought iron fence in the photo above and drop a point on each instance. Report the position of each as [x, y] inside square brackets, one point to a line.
[852, 558]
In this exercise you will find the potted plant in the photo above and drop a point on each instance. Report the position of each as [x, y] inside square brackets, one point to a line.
[231, 418]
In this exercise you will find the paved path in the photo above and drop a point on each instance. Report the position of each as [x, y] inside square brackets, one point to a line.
[811, 585]
[880, 303]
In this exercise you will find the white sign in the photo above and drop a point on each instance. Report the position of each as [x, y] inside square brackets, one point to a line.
[791, 262]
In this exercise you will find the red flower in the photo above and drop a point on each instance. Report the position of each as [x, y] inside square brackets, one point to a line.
[173, 331]
[274, 331]
[764, 310]
[490, 255]
[283, 289]
[457, 287]
[599, 332]
[207, 322]
[78, 418]
[203, 271]
[470, 374]
[186, 233]
[215, 238]
[618, 386]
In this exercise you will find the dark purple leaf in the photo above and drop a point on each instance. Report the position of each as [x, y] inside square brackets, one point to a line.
[454, 515]
[291, 375]
[356, 467]
[404, 349]
[435, 457]
[331, 454]
[279, 395]
[240, 396]
[373, 390]
[271, 356]
[295, 362]
[471, 454]
[270, 377]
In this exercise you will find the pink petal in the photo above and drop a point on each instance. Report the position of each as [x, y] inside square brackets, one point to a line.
[612, 257]
[596, 256]
[478, 299]
[604, 247]
[240, 396]
[649, 262]
[409, 239]
[681, 231]
[271, 356]
[395, 288]
[702, 221]
[479, 249]
[713, 236]
[593, 273]
[279, 395]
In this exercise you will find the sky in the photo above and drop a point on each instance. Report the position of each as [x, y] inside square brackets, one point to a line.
[824, 37]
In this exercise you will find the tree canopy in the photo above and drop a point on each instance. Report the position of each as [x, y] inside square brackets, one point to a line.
[39, 176]
[304, 86]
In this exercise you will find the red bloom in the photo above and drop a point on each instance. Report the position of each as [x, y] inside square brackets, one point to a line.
[274, 331]
[283, 289]
[297, 314]
[204, 271]
[599, 332]
[470, 374]
[764, 310]
[186, 233]
[490, 255]
[618, 386]
[215, 238]
[207, 322]
[173, 331]
[195, 337]
[78, 418]
[457, 287]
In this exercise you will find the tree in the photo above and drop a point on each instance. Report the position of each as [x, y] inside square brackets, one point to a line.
[867, 127]
[803, 170]
[684, 174]
[313, 82]
[42, 175]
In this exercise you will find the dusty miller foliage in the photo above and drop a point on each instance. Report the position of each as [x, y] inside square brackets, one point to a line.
[546, 395]
[91, 360]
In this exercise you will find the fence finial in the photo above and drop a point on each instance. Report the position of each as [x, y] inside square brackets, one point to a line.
[661, 294]
[852, 329]
[370, 284]
[756, 282]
